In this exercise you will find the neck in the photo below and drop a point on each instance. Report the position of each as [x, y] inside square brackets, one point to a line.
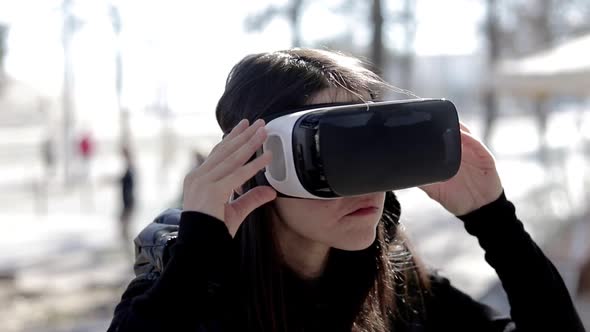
[305, 257]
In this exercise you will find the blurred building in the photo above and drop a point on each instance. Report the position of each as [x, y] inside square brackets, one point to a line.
[26, 123]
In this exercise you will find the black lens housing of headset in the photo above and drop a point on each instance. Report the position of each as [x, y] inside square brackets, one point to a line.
[337, 150]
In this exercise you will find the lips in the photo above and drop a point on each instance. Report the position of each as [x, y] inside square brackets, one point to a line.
[364, 210]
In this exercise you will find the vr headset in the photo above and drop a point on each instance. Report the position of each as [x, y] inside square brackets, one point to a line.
[330, 151]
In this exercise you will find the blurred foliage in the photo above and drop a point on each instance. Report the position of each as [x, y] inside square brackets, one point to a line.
[527, 26]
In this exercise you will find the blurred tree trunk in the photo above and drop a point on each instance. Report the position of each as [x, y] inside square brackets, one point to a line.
[541, 24]
[70, 25]
[292, 11]
[125, 139]
[546, 39]
[407, 58]
[490, 98]
[3, 34]
[377, 41]
[294, 15]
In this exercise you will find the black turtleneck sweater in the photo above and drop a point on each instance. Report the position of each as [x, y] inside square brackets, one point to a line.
[183, 297]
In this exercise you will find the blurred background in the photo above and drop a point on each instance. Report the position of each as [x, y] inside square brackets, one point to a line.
[105, 105]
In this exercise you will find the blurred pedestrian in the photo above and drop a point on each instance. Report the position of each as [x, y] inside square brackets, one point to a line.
[127, 192]
[48, 156]
[238, 257]
[43, 186]
[85, 148]
[86, 152]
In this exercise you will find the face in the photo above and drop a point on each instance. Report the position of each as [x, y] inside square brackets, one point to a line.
[348, 223]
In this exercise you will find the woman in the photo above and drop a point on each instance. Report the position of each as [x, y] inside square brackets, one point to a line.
[260, 262]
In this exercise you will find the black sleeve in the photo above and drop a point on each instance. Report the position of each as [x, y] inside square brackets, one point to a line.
[185, 295]
[538, 297]
[449, 309]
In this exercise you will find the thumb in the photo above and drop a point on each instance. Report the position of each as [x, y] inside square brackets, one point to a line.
[251, 200]
[430, 189]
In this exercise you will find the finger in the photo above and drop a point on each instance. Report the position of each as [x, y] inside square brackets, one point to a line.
[244, 136]
[239, 157]
[238, 129]
[469, 140]
[464, 127]
[231, 146]
[246, 172]
[475, 147]
[252, 200]
[430, 189]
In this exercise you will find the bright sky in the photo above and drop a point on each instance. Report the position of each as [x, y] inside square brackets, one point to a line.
[184, 49]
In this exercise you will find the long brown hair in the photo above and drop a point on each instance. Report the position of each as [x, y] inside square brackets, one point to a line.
[368, 285]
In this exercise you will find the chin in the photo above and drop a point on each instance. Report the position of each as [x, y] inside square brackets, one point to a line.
[358, 241]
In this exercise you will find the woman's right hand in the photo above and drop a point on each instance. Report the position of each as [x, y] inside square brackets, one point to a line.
[208, 188]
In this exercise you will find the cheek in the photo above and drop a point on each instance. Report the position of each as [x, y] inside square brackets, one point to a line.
[323, 221]
[307, 216]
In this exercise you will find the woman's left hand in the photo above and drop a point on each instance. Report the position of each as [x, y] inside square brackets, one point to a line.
[476, 184]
